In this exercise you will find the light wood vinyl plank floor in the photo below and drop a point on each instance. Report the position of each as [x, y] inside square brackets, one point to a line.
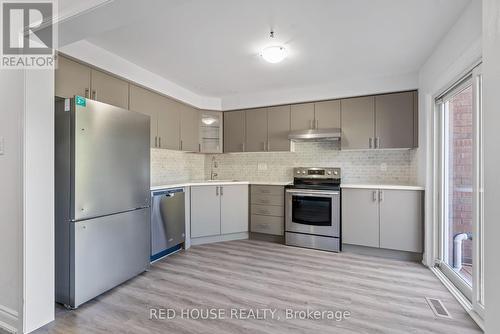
[382, 295]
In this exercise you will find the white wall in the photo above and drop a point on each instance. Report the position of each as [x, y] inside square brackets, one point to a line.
[27, 200]
[38, 245]
[94, 55]
[456, 52]
[11, 113]
[347, 87]
[491, 110]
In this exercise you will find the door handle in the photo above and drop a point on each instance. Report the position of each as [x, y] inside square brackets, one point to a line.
[375, 195]
[381, 196]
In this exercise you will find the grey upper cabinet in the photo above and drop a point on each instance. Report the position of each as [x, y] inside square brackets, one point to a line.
[278, 127]
[234, 131]
[358, 122]
[360, 217]
[71, 78]
[394, 120]
[256, 130]
[327, 114]
[109, 89]
[190, 132]
[302, 116]
[146, 102]
[205, 211]
[169, 120]
[401, 225]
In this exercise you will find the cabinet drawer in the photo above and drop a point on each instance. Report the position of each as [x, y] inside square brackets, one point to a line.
[278, 200]
[268, 190]
[267, 210]
[267, 224]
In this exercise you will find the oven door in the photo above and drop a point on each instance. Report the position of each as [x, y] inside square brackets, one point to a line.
[313, 212]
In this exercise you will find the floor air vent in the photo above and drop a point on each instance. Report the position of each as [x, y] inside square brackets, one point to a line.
[438, 308]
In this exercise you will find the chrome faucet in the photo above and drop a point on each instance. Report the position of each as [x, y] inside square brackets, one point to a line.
[213, 174]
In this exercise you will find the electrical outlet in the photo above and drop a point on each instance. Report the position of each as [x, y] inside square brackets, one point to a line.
[261, 166]
[2, 146]
[383, 167]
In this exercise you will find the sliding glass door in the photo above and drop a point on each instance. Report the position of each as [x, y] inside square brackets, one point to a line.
[460, 180]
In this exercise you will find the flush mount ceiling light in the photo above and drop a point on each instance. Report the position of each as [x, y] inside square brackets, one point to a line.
[208, 120]
[275, 53]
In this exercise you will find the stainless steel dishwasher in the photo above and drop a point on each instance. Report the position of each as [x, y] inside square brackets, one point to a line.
[167, 222]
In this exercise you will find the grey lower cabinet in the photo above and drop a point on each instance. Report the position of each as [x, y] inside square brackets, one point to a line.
[267, 209]
[381, 218]
[401, 220]
[256, 130]
[218, 210]
[234, 131]
[358, 123]
[360, 217]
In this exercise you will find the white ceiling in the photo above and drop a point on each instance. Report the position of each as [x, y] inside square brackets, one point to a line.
[211, 47]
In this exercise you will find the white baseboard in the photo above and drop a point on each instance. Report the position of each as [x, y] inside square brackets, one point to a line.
[462, 300]
[219, 238]
[9, 319]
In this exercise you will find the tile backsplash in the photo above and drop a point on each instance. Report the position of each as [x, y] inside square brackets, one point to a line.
[367, 166]
[174, 166]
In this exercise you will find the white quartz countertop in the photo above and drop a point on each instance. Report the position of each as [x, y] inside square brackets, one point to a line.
[382, 186]
[191, 183]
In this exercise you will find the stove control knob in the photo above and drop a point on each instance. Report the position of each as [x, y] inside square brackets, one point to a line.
[304, 172]
[329, 172]
[298, 172]
[336, 173]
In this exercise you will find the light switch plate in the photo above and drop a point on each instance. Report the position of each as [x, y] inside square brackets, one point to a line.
[261, 166]
[2, 142]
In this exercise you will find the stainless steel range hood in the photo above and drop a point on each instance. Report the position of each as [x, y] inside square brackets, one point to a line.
[315, 135]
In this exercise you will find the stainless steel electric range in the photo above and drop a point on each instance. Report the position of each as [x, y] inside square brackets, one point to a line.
[312, 209]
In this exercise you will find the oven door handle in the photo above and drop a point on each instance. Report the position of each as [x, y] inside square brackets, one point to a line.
[312, 193]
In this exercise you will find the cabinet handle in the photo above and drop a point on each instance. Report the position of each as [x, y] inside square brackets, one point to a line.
[159, 142]
[316, 124]
[263, 146]
[310, 124]
[370, 141]
[268, 145]
[375, 195]
[94, 94]
[181, 145]
[156, 141]
[243, 148]
[377, 142]
[87, 92]
[217, 191]
[381, 196]
[222, 191]
[199, 147]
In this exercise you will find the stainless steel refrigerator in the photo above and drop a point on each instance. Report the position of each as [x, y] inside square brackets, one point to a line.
[102, 201]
